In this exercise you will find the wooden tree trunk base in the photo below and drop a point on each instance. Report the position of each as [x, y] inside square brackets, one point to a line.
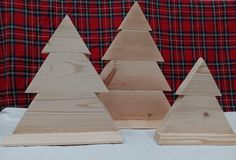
[61, 139]
[195, 139]
[138, 124]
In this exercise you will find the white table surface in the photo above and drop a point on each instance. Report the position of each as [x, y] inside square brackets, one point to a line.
[138, 145]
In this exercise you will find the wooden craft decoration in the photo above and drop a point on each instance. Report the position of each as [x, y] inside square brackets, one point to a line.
[66, 73]
[196, 116]
[199, 82]
[66, 39]
[135, 81]
[66, 110]
[133, 46]
[134, 75]
[135, 20]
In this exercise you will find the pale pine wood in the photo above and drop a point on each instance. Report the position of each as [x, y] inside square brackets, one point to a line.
[199, 81]
[67, 73]
[65, 120]
[195, 138]
[65, 114]
[195, 114]
[135, 19]
[134, 46]
[135, 105]
[134, 75]
[66, 39]
[138, 124]
[195, 120]
[62, 139]
[135, 81]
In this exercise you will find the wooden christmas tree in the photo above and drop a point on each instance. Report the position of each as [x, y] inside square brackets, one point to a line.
[135, 81]
[196, 117]
[66, 110]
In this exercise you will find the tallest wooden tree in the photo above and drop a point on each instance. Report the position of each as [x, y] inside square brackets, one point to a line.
[66, 110]
[135, 81]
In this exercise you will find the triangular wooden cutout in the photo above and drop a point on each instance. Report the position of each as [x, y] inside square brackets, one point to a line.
[134, 46]
[136, 108]
[135, 20]
[66, 39]
[67, 73]
[195, 120]
[134, 75]
[64, 120]
[199, 81]
[195, 114]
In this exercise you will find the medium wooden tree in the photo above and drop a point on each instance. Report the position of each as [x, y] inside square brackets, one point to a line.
[196, 116]
[135, 81]
[66, 110]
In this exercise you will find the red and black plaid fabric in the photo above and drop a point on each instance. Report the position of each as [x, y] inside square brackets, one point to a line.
[183, 30]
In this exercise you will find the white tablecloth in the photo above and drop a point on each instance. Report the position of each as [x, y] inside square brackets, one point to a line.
[138, 145]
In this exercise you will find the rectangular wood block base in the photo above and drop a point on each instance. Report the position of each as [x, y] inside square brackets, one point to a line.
[61, 139]
[195, 139]
[138, 124]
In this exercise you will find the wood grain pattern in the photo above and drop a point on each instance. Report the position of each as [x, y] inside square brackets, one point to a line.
[66, 39]
[134, 75]
[64, 120]
[63, 139]
[135, 105]
[134, 46]
[67, 73]
[135, 19]
[195, 114]
[195, 120]
[65, 114]
[138, 124]
[195, 139]
[199, 81]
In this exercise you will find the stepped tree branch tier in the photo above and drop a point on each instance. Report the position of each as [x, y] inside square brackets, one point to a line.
[65, 114]
[64, 120]
[206, 116]
[133, 46]
[129, 105]
[67, 73]
[134, 75]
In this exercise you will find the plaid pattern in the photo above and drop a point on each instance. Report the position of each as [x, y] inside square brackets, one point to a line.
[183, 31]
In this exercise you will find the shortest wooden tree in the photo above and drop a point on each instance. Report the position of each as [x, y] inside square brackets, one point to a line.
[196, 117]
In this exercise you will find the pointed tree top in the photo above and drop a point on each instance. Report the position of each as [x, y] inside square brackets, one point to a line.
[66, 39]
[135, 20]
[199, 81]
